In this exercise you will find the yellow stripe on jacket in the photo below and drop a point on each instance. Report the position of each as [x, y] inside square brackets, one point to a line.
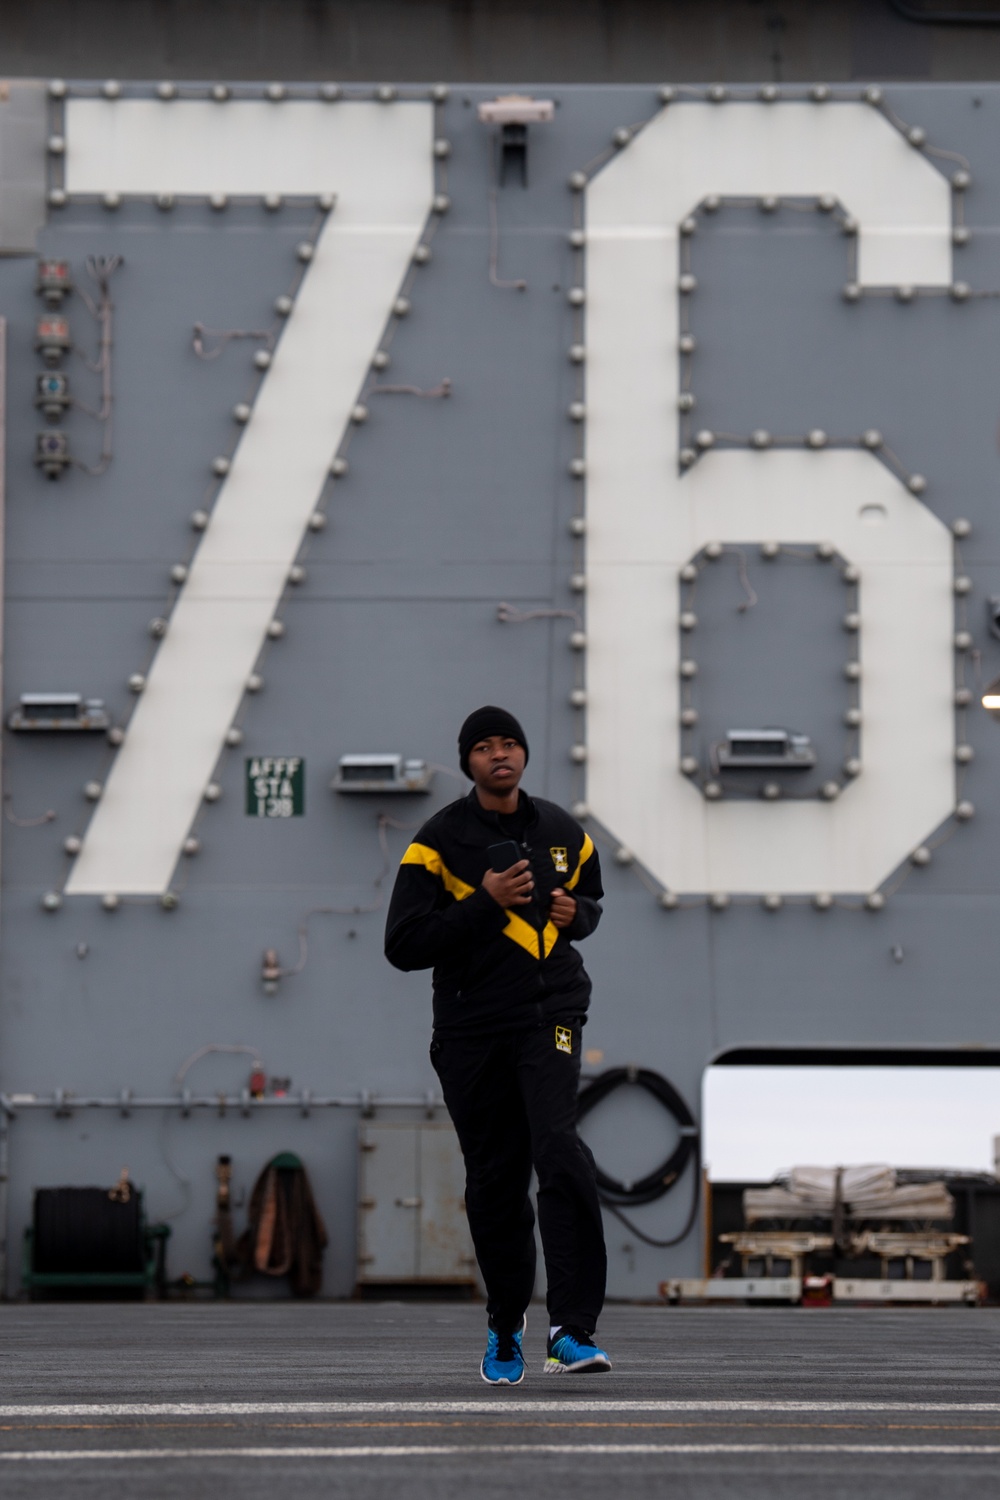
[585, 853]
[517, 929]
[422, 854]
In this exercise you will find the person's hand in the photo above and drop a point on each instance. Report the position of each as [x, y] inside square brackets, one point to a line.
[563, 908]
[511, 887]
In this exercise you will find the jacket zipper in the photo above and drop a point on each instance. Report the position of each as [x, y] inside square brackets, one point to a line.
[539, 928]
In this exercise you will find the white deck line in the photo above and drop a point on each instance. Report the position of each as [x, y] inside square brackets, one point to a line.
[447, 1450]
[378, 160]
[496, 1406]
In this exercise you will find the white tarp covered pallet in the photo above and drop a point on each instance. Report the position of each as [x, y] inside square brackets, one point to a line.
[866, 1192]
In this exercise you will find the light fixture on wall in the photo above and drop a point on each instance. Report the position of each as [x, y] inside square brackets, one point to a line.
[270, 971]
[513, 113]
[991, 697]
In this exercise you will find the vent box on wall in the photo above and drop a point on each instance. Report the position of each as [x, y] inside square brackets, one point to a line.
[776, 749]
[58, 711]
[381, 773]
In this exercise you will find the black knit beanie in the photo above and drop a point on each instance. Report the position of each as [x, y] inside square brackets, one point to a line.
[483, 723]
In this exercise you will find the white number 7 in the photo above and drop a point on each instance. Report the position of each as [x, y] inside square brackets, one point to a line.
[378, 160]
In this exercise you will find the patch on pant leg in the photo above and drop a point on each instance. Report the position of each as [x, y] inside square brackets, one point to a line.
[564, 1039]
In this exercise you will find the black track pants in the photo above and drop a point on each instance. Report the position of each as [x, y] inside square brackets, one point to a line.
[512, 1098]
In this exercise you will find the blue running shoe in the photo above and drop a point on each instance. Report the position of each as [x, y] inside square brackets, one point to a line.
[503, 1362]
[573, 1352]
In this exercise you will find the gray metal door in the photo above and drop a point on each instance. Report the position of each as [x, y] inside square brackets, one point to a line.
[411, 1219]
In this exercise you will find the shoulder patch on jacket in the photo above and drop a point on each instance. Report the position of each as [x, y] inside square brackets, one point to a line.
[423, 854]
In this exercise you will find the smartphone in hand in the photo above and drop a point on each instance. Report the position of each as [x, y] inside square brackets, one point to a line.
[502, 856]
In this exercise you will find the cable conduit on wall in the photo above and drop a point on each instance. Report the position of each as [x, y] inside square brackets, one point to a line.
[64, 1103]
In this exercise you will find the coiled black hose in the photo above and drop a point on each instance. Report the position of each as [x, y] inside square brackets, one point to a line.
[614, 1194]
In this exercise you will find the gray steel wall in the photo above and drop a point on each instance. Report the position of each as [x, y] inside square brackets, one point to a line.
[450, 507]
[596, 41]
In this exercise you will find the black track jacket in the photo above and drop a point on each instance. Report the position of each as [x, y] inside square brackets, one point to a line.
[495, 969]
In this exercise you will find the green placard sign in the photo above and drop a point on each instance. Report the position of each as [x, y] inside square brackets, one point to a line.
[276, 786]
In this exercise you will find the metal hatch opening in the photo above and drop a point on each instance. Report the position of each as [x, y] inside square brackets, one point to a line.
[851, 1176]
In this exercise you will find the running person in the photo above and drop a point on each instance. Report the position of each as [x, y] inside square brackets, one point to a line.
[510, 1001]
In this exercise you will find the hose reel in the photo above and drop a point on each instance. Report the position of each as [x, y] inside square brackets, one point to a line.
[615, 1194]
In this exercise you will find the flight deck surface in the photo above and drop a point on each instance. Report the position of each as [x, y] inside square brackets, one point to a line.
[381, 1399]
